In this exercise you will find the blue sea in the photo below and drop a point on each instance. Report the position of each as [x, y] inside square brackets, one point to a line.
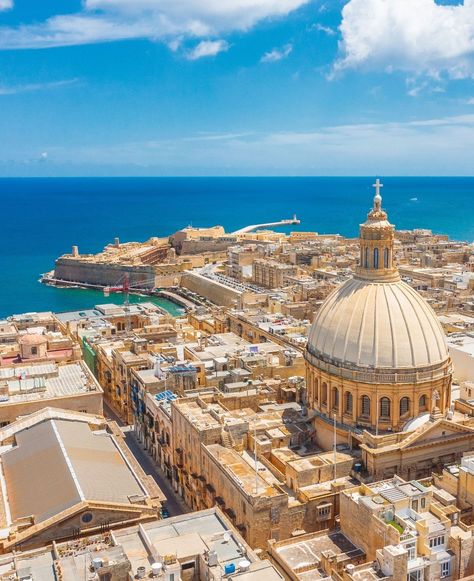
[43, 218]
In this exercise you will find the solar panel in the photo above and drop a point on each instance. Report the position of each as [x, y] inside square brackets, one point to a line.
[165, 395]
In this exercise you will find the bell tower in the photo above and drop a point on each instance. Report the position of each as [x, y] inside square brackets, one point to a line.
[376, 244]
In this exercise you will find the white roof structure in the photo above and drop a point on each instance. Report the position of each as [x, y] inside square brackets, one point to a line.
[378, 325]
[59, 463]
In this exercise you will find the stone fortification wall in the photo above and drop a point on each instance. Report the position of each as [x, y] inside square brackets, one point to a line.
[206, 245]
[103, 274]
[210, 289]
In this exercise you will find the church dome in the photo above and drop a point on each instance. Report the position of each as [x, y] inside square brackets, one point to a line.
[373, 325]
[375, 321]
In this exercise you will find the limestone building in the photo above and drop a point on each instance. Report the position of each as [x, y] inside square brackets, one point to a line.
[25, 389]
[376, 356]
[66, 474]
[198, 546]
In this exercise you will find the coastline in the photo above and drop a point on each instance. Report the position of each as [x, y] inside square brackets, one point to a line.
[59, 212]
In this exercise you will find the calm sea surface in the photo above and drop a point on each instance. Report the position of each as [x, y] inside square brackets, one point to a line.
[42, 218]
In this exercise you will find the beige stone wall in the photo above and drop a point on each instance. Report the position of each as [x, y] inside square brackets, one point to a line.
[466, 488]
[259, 519]
[463, 550]
[90, 403]
[357, 517]
[103, 274]
[210, 289]
[73, 526]
[186, 442]
[417, 461]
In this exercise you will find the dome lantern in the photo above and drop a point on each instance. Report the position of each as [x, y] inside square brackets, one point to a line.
[377, 237]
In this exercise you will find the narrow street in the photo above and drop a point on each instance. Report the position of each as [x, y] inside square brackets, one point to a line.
[174, 503]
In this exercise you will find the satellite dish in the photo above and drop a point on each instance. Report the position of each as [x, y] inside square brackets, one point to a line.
[227, 537]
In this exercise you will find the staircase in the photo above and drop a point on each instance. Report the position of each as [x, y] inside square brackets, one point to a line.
[226, 440]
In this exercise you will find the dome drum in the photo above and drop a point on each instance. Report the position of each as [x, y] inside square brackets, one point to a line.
[378, 376]
[354, 403]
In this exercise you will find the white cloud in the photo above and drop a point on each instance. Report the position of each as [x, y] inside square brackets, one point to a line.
[277, 54]
[322, 28]
[397, 148]
[111, 20]
[6, 4]
[207, 48]
[418, 36]
[33, 87]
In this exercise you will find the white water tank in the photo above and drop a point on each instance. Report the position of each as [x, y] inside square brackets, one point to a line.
[97, 563]
[244, 565]
[350, 568]
[156, 569]
[141, 572]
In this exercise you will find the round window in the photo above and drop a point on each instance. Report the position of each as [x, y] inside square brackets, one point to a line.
[86, 517]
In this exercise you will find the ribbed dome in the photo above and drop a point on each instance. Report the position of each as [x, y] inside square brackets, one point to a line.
[370, 324]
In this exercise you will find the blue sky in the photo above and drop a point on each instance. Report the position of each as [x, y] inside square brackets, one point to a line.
[236, 87]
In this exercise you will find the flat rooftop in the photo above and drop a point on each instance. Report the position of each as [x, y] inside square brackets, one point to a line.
[305, 553]
[199, 417]
[241, 472]
[186, 537]
[106, 310]
[45, 381]
[462, 342]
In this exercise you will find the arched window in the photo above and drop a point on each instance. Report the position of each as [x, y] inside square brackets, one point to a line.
[385, 258]
[404, 406]
[348, 402]
[365, 406]
[384, 411]
[366, 259]
[422, 403]
[376, 257]
[316, 389]
[324, 393]
[335, 398]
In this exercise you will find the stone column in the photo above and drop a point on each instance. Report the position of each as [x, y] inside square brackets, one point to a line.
[330, 402]
[396, 411]
[355, 405]
[373, 408]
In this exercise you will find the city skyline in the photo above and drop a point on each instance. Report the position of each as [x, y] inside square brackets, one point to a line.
[287, 87]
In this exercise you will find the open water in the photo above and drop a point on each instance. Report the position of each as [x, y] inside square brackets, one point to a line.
[42, 218]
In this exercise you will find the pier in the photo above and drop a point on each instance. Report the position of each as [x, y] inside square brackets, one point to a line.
[253, 227]
[176, 298]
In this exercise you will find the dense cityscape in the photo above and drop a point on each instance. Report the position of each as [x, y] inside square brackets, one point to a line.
[308, 413]
[237, 290]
